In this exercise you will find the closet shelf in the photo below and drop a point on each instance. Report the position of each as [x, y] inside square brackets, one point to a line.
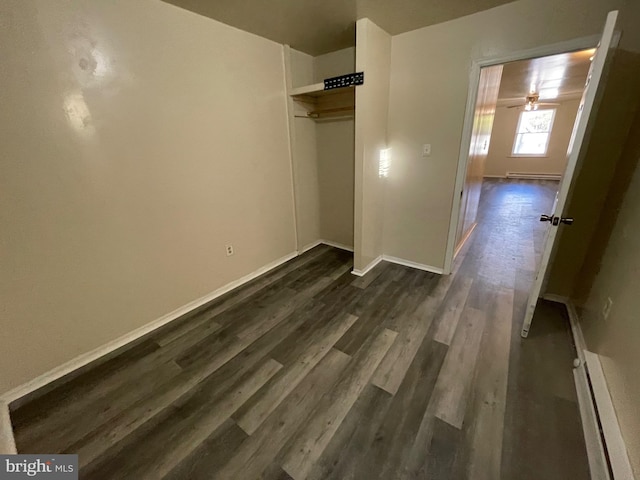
[320, 103]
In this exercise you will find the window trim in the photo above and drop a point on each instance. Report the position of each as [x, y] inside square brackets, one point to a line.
[546, 147]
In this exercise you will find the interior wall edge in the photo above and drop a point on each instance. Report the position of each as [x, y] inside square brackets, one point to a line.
[80, 361]
[286, 72]
[309, 246]
[7, 440]
[362, 272]
[341, 246]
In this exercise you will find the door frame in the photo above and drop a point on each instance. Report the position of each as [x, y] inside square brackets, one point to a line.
[580, 43]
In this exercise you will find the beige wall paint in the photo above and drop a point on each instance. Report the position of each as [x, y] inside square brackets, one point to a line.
[429, 80]
[304, 154]
[499, 159]
[302, 69]
[307, 186]
[373, 57]
[334, 64]
[336, 170]
[138, 139]
[616, 340]
[323, 153]
[335, 147]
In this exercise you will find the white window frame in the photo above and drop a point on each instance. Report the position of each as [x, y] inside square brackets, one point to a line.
[546, 147]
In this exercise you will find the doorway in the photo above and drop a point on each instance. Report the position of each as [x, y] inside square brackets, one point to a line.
[533, 139]
[524, 117]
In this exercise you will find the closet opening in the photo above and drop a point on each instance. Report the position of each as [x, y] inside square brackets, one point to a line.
[322, 132]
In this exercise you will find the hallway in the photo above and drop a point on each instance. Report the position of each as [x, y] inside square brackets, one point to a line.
[310, 372]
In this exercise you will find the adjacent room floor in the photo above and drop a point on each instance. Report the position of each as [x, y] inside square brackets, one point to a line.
[311, 372]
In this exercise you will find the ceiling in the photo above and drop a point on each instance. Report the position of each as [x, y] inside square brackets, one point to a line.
[555, 78]
[321, 26]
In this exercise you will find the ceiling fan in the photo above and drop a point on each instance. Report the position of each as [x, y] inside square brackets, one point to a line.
[531, 102]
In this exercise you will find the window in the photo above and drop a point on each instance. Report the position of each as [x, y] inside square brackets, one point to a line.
[532, 135]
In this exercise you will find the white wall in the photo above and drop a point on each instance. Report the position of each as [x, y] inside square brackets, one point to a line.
[373, 55]
[429, 80]
[500, 160]
[138, 139]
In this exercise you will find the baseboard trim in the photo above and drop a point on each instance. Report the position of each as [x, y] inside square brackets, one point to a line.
[95, 354]
[606, 450]
[7, 440]
[341, 246]
[534, 176]
[308, 247]
[576, 330]
[527, 176]
[464, 240]
[329, 243]
[368, 268]
[552, 297]
[409, 263]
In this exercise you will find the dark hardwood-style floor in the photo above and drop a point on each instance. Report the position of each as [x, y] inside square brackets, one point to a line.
[309, 372]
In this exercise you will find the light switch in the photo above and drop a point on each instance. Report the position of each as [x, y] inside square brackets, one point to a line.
[426, 149]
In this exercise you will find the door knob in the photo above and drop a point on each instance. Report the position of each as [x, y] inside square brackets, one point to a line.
[555, 221]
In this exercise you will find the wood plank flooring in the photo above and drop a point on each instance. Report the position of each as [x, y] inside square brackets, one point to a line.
[311, 373]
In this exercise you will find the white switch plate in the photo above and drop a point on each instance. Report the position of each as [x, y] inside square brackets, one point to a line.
[426, 149]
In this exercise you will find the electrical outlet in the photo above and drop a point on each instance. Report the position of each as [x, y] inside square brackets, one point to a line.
[606, 310]
[229, 249]
[426, 149]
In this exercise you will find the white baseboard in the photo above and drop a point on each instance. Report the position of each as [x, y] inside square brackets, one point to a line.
[528, 176]
[308, 247]
[7, 441]
[398, 261]
[576, 330]
[596, 409]
[86, 358]
[368, 268]
[341, 246]
[409, 263]
[535, 176]
[465, 239]
[552, 297]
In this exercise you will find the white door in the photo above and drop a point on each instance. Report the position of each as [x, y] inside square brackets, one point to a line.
[575, 153]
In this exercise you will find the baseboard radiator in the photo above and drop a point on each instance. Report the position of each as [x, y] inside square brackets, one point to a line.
[608, 458]
[535, 176]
